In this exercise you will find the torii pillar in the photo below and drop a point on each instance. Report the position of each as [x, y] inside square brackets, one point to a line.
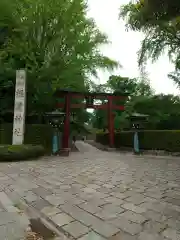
[66, 133]
[111, 122]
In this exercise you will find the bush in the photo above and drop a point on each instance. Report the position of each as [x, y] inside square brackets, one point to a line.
[168, 140]
[20, 152]
[35, 134]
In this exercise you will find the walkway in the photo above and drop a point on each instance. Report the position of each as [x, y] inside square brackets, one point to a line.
[86, 148]
[96, 195]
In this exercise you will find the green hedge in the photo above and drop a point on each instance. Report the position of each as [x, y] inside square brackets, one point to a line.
[35, 134]
[168, 140]
[20, 152]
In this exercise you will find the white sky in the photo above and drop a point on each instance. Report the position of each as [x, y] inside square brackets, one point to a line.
[124, 46]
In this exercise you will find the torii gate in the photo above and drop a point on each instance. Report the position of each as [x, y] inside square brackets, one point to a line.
[68, 95]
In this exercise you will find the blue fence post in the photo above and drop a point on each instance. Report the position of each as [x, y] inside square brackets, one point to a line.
[55, 143]
[136, 142]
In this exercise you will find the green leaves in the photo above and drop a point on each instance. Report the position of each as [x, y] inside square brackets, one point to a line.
[134, 88]
[55, 42]
[159, 21]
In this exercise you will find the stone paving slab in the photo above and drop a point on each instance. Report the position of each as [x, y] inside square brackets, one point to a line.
[92, 235]
[12, 231]
[13, 223]
[106, 195]
[7, 217]
[62, 219]
[123, 236]
[50, 211]
[76, 229]
[127, 226]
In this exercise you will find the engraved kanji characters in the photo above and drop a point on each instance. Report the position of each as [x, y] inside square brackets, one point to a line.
[20, 92]
[18, 118]
[17, 132]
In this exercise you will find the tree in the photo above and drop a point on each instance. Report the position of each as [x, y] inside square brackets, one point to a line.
[175, 76]
[134, 88]
[163, 111]
[55, 42]
[130, 86]
[160, 34]
[160, 9]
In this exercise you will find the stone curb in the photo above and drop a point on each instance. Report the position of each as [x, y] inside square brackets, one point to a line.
[32, 213]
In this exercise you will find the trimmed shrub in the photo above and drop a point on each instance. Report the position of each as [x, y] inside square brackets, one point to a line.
[39, 134]
[35, 134]
[168, 140]
[20, 152]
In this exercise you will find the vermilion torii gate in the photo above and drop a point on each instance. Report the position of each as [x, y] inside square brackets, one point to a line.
[89, 98]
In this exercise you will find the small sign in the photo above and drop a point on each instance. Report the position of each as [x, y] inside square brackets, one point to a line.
[19, 108]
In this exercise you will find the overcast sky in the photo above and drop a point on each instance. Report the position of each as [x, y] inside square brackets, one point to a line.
[124, 46]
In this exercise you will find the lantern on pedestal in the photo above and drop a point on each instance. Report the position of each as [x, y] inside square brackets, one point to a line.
[55, 119]
[137, 122]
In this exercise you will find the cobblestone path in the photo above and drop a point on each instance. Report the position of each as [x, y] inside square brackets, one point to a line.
[95, 195]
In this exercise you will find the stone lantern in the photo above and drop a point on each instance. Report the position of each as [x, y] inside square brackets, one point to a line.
[138, 121]
[56, 120]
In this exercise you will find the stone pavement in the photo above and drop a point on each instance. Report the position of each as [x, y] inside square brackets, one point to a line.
[95, 195]
[14, 224]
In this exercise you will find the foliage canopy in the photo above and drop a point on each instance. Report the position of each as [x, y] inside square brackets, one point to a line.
[55, 42]
[160, 25]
